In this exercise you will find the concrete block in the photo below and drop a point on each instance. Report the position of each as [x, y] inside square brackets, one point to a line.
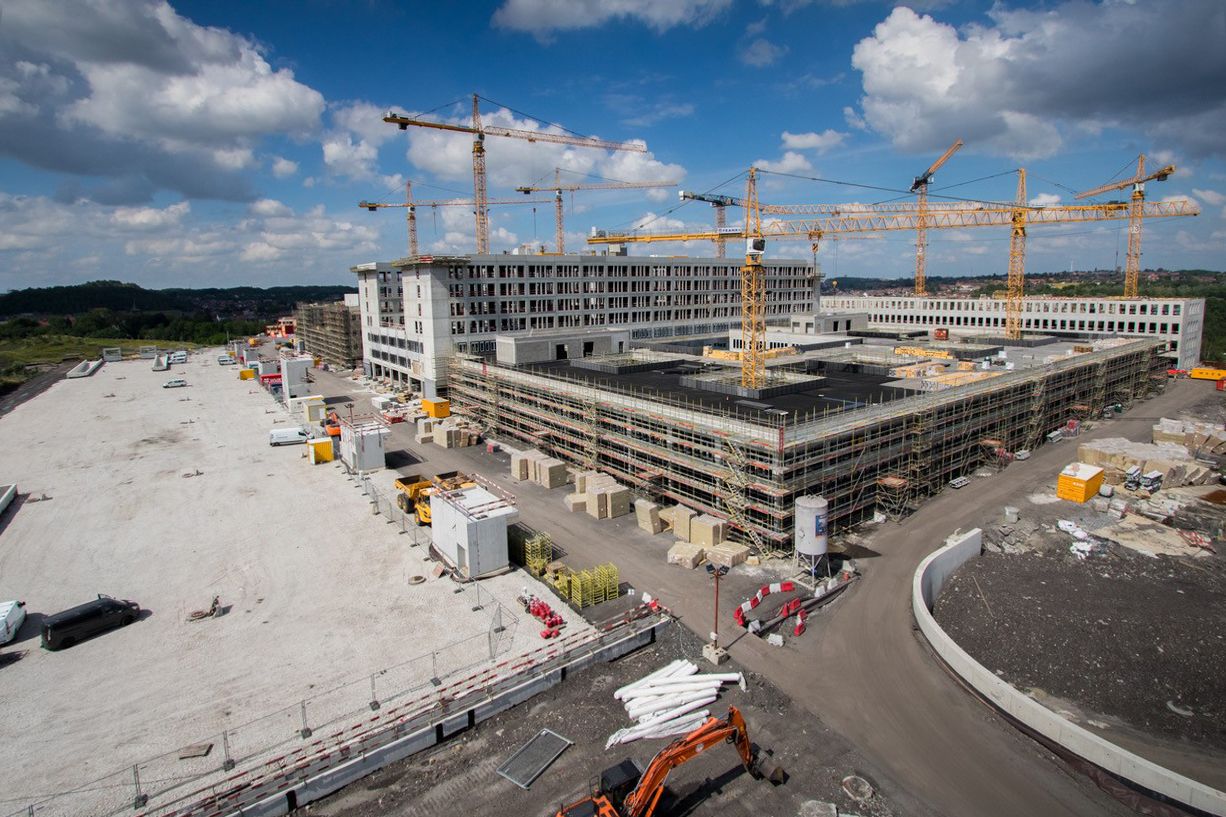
[575, 502]
[686, 554]
[727, 554]
[707, 530]
[424, 439]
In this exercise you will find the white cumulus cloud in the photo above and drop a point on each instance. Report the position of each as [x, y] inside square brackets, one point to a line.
[790, 162]
[821, 142]
[1044, 200]
[283, 168]
[1013, 84]
[542, 17]
[761, 52]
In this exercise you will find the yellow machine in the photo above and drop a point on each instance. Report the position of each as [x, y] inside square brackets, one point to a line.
[414, 490]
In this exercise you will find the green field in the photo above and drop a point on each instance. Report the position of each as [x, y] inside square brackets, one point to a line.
[17, 354]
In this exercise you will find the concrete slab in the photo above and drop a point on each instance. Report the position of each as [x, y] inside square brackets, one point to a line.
[169, 497]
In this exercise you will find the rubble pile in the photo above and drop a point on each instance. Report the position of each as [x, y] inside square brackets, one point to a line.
[1116, 455]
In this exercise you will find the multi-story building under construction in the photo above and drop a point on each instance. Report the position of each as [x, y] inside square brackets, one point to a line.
[331, 330]
[866, 442]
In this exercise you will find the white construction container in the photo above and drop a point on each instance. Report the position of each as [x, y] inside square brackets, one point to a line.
[362, 445]
[469, 528]
[811, 525]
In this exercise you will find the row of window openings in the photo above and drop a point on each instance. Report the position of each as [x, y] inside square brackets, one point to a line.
[1070, 325]
[1029, 306]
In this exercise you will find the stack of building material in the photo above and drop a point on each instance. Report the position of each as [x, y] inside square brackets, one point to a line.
[647, 514]
[669, 701]
[687, 555]
[681, 518]
[551, 473]
[425, 430]
[575, 502]
[521, 464]
[1201, 438]
[727, 554]
[1117, 454]
[708, 531]
[606, 499]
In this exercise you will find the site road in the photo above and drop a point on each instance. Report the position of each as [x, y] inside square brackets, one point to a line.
[861, 668]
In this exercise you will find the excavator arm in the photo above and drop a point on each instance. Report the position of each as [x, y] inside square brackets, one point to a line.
[642, 801]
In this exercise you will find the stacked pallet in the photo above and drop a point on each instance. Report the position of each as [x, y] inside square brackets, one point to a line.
[727, 554]
[647, 514]
[686, 554]
[536, 466]
[707, 530]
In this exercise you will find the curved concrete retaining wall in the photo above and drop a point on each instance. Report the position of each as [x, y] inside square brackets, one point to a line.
[927, 584]
[7, 494]
[85, 368]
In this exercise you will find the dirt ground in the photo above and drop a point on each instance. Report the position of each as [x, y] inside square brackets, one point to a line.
[1121, 634]
[1129, 638]
[459, 777]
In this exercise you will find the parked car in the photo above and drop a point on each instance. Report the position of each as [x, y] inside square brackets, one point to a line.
[179, 357]
[76, 624]
[12, 614]
[287, 436]
[177, 383]
[224, 360]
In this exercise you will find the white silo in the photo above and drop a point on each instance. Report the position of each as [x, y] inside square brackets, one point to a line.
[811, 524]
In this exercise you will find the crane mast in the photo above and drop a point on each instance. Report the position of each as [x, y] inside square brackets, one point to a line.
[558, 188]
[1136, 213]
[920, 188]
[479, 132]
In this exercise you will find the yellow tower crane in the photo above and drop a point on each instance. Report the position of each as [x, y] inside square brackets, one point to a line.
[1136, 213]
[411, 209]
[558, 188]
[920, 188]
[864, 218]
[479, 132]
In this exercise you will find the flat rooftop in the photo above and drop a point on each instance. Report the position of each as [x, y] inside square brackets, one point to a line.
[838, 391]
[170, 497]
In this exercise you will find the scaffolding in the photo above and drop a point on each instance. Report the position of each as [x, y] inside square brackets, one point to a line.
[750, 466]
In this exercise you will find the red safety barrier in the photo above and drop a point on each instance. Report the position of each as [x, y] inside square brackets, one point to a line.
[767, 589]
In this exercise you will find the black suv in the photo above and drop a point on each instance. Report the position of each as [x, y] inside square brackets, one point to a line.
[79, 623]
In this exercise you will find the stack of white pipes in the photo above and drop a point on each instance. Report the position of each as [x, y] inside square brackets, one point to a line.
[669, 701]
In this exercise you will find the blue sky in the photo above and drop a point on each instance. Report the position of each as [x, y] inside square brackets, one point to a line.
[224, 143]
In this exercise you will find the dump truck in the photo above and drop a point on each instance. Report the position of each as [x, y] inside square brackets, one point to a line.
[413, 492]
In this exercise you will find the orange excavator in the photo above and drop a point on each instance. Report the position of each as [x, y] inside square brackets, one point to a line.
[625, 792]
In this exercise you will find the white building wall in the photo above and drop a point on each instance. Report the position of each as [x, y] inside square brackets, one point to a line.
[461, 304]
[1179, 321]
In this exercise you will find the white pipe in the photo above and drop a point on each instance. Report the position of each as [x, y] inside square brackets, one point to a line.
[637, 712]
[658, 729]
[648, 692]
[723, 678]
[676, 712]
[660, 673]
[679, 727]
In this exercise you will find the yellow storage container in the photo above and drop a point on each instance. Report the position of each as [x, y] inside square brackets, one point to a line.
[1207, 374]
[438, 409]
[320, 450]
[1079, 482]
[246, 374]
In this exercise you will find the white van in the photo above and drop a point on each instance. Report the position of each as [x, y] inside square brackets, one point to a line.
[177, 383]
[224, 360]
[287, 436]
[12, 614]
[178, 357]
